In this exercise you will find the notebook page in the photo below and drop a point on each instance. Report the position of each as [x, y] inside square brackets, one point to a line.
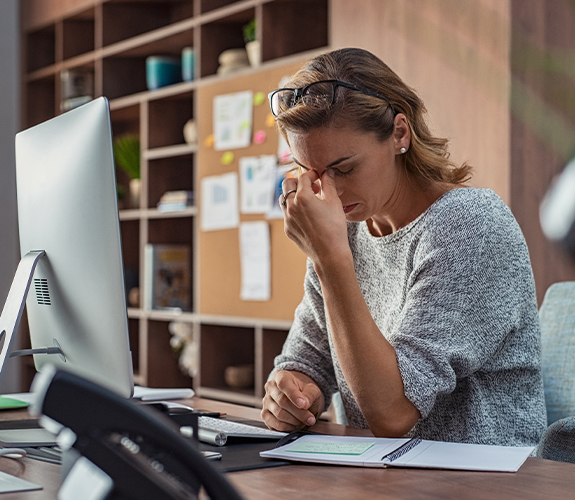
[441, 455]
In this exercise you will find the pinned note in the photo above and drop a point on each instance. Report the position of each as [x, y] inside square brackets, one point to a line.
[233, 120]
[220, 202]
[259, 98]
[270, 120]
[227, 158]
[255, 260]
[260, 137]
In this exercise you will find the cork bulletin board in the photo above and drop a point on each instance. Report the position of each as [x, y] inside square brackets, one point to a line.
[219, 251]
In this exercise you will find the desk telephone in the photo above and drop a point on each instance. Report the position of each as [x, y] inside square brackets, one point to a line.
[138, 448]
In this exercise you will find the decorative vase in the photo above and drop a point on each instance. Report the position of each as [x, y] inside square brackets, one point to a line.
[135, 188]
[190, 132]
[254, 52]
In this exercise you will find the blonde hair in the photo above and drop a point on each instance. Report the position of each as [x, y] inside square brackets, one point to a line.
[427, 159]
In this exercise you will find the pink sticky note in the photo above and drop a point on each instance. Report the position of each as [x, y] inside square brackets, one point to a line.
[259, 137]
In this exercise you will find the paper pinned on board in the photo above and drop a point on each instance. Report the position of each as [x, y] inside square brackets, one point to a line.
[255, 261]
[220, 202]
[233, 120]
[257, 183]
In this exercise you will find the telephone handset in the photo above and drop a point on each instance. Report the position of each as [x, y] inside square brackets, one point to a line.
[141, 450]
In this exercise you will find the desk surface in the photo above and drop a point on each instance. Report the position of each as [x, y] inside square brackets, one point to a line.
[536, 479]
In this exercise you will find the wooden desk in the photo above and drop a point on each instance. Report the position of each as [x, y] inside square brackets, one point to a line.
[536, 479]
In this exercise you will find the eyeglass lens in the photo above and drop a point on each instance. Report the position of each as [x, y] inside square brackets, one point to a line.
[317, 94]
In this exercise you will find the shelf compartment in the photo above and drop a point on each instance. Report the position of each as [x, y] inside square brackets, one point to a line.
[220, 35]
[41, 48]
[134, 336]
[293, 26]
[163, 368]
[123, 20]
[123, 76]
[169, 174]
[130, 234]
[167, 118]
[171, 230]
[176, 231]
[224, 346]
[125, 71]
[272, 343]
[79, 34]
[125, 120]
[41, 101]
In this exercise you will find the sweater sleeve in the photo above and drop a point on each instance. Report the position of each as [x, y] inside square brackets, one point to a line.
[306, 349]
[470, 306]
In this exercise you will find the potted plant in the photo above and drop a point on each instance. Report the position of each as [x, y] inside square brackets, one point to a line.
[252, 44]
[127, 157]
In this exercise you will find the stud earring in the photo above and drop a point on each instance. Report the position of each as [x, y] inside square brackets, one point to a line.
[403, 150]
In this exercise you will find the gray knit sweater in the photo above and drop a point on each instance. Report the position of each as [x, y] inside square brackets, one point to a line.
[453, 293]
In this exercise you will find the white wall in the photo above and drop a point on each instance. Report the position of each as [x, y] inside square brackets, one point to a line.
[9, 124]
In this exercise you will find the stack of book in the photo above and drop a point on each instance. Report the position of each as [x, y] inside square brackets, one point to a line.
[173, 201]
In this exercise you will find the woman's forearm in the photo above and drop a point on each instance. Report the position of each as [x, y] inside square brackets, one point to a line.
[367, 359]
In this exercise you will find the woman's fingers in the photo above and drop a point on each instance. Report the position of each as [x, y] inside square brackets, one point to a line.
[285, 405]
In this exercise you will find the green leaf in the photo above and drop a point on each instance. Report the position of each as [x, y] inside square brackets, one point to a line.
[127, 154]
[250, 31]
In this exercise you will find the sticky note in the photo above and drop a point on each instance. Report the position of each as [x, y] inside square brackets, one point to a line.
[270, 120]
[337, 448]
[259, 98]
[227, 158]
[259, 137]
[209, 141]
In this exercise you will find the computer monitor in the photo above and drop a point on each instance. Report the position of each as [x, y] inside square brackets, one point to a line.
[67, 208]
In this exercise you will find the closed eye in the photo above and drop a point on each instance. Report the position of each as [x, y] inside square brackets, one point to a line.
[342, 173]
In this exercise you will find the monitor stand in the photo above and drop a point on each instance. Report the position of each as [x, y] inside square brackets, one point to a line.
[14, 306]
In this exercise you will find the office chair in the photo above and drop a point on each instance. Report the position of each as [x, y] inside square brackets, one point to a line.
[557, 316]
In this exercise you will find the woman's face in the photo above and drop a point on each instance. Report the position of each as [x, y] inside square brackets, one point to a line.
[366, 170]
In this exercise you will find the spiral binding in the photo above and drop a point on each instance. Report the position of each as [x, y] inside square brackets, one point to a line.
[403, 449]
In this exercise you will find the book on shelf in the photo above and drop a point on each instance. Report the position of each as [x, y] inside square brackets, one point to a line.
[399, 452]
[174, 201]
[168, 280]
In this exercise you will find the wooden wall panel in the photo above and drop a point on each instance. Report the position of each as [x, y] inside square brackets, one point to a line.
[497, 78]
[455, 55]
[543, 122]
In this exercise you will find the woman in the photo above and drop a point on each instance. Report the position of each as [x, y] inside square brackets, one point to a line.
[419, 303]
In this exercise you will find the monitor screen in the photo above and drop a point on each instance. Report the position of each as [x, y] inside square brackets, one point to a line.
[67, 206]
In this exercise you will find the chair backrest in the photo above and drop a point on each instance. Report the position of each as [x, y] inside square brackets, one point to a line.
[557, 315]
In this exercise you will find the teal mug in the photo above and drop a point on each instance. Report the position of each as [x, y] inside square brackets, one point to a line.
[162, 71]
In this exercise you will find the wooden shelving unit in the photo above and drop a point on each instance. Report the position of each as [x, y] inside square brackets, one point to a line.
[113, 38]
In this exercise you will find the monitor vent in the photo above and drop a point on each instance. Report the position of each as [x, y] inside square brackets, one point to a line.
[42, 292]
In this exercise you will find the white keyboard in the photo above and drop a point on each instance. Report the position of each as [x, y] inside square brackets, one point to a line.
[216, 431]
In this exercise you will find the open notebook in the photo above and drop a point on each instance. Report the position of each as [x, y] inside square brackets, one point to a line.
[403, 452]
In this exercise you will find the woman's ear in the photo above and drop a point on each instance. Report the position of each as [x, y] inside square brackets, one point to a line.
[401, 134]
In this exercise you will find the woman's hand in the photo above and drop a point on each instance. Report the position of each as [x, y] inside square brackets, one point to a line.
[292, 401]
[314, 217]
